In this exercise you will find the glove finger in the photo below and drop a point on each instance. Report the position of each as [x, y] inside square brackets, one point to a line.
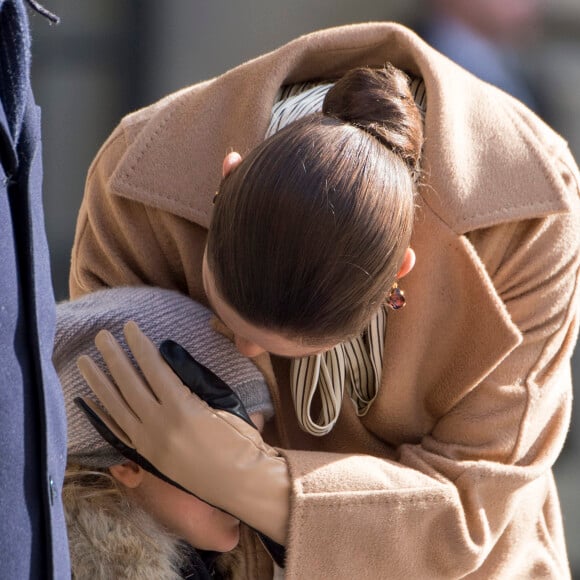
[163, 382]
[138, 395]
[202, 381]
[198, 378]
[104, 424]
[108, 394]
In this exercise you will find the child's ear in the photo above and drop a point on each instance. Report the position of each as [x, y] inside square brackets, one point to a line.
[129, 474]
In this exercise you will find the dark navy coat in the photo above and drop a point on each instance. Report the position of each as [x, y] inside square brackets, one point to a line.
[32, 419]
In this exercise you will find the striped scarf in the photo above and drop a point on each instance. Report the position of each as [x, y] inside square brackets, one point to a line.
[355, 365]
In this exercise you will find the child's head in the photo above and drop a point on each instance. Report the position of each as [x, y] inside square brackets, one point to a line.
[103, 490]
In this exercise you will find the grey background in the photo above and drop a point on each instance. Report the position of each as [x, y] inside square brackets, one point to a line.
[109, 57]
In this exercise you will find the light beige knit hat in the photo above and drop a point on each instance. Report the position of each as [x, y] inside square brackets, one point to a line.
[161, 314]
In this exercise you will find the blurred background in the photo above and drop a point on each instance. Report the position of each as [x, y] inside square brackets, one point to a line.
[110, 57]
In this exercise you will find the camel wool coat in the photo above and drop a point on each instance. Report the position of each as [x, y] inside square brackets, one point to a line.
[449, 474]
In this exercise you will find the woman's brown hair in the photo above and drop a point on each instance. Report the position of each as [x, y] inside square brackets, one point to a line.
[310, 230]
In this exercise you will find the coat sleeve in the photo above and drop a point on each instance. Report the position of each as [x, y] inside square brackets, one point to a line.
[479, 486]
[122, 242]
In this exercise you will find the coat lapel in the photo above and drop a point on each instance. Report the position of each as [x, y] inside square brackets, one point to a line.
[431, 362]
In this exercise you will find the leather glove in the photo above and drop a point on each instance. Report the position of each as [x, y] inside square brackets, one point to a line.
[215, 454]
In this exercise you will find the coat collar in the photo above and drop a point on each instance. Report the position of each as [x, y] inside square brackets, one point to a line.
[107, 534]
[476, 138]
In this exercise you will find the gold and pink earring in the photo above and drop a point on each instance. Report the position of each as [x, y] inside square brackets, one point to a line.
[396, 299]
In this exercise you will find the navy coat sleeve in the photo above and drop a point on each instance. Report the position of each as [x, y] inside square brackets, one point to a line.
[32, 419]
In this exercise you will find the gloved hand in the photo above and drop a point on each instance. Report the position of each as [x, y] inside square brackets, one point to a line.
[216, 454]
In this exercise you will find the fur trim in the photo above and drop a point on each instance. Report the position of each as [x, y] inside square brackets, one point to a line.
[111, 538]
[231, 565]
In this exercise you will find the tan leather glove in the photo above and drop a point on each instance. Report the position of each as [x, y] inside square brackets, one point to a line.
[216, 455]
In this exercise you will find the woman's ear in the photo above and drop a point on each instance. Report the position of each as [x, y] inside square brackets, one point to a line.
[231, 161]
[408, 263]
[129, 474]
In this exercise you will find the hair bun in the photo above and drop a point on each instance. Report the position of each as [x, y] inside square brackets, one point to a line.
[379, 101]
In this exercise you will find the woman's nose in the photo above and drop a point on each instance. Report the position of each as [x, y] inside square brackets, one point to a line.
[247, 347]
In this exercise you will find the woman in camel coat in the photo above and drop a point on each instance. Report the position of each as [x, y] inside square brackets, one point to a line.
[447, 474]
